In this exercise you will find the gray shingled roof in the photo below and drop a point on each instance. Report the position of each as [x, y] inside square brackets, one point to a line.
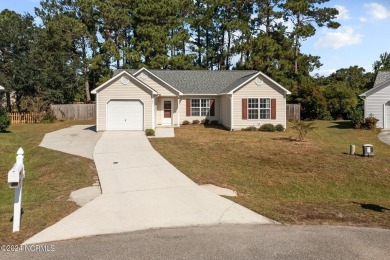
[381, 77]
[201, 81]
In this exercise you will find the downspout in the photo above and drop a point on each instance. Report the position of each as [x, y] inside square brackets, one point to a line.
[153, 119]
[285, 112]
[384, 124]
[97, 112]
[178, 111]
[231, 112]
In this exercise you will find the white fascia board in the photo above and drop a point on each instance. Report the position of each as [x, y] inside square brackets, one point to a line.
[201, 94]
[373, 90]
[108, 82]
[265, 76]
[150, 73]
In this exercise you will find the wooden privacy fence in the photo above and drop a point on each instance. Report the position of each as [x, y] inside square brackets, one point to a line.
[293, 112]
[75, 111]
[25, 117]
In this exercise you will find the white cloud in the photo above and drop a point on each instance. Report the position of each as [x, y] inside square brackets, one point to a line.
[377, 11]
[363, 19]
[343, 12]
[335, 39]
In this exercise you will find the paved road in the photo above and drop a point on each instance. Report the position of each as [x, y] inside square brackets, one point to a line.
[226, 242]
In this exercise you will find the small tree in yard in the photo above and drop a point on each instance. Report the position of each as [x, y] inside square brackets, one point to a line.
[303, 128]
[5, 119]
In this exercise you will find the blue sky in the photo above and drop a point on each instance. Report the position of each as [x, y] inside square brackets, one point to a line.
[361, 38]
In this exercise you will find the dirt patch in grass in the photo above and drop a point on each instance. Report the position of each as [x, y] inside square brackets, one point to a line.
[50, 178]
[310, 182]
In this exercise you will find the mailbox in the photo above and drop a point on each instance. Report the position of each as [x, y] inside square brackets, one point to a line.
[368, 150]
[15, 175]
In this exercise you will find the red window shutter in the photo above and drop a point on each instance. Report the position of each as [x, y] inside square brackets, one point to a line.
[273, 108]
[212, 107]
[244, 108]
[188, 107]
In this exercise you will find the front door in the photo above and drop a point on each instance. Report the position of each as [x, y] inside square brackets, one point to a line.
[167, 112]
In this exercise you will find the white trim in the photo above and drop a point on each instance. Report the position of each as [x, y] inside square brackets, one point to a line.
[384, 116]
[259, 81]
[285, 112]
[263, 75]
[146, 70]
[153, 119]
[200, 106]
[231, 112]
[375, 89]
[183, 95]
[124, 80]
[97, 113]
[125, 99]
[108, 82]
[178, 111]
[171, 99]
[258, 119]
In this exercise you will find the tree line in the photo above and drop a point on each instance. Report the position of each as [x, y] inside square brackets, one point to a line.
[78, 43]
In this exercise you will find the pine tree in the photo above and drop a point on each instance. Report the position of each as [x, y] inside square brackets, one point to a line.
[304, 15]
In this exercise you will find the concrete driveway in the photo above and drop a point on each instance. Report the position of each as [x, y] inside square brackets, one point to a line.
[141, 190]
[78, 140]
[384, 136]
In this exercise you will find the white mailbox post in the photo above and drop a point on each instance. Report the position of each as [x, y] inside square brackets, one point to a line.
[15, 181]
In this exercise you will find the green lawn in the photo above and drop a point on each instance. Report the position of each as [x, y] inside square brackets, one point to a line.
[50, 178]
[310, 182]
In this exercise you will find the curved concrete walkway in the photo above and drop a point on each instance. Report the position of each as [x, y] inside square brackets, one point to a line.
[384, 136]
[141, 190]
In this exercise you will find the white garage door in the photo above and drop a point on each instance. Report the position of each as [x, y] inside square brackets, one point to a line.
[125, 115]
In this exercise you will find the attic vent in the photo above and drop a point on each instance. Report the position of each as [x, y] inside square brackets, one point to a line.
[259, 81]
[143, 76]
[124, 80]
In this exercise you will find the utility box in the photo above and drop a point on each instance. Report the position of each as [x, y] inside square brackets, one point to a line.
[368, 150]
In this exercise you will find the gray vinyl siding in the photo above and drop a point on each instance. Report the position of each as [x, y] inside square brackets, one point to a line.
[183, 117]
[264, 90]
[225, 111]
[119, 91]
[374, 104]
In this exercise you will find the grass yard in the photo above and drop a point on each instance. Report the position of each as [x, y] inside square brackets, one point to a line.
[310, 182]
[50, 178]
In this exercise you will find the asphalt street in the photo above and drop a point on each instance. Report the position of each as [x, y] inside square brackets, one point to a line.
[222, 242]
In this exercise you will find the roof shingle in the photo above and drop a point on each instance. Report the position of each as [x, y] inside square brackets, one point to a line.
[201, 81]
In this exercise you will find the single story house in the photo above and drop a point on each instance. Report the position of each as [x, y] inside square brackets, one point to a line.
[377, 100]
[142, 99]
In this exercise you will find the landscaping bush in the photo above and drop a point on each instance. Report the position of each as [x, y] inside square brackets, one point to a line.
[370, 122]
[357, 118]
[150, 132]
[249, 128]
[49, 116]
[267, 128]
[214, 122]
[279, 128]
[186, 122]
[5, 120]
[205, 121]
[303, 128]
[195, 122]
